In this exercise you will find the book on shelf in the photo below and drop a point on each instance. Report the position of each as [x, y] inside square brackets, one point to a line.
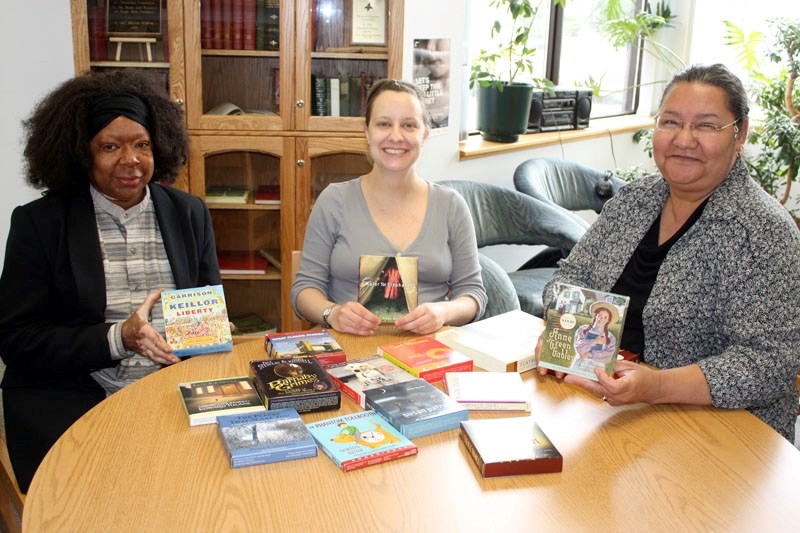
[355, 376]
[334, 95]
[272, 255]
[488, 391]
[204, 401]
[319, 96]
[227, 194]
[510, 447]
[298, 382]
[252, 324]
[196, 320]
[261, 24]
[206, 26]
[502, 343]
[237, 24]
[387, 285]
[272, 28]
[344, 95]
[266, 437]
[249, 9]
[425, 358]
[241, 262]
[98, 45]
[268, 195]
[360, 439]
[416, 408]
[582, 331]
[227, 24]
[315, 342]
[217, 37]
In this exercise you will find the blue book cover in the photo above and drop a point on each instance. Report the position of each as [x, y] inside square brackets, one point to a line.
[416, 407]
[360, 439]
[266, 437]
[196, 321]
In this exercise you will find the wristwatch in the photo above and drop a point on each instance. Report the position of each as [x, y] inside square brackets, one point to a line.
[326, 314]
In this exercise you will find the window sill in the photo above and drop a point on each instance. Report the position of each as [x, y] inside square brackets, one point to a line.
[475, 146]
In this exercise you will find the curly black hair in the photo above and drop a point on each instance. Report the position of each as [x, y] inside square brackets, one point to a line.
[57, 152]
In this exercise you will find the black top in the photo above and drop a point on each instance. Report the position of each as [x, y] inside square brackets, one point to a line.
[639, 276]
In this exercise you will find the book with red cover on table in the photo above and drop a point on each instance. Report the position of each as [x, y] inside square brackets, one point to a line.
[241, 262]
[510, 447]
[196, 320]
[358, 375]
[298, 382]
[316, 342]
[387, 285]
[488, 391]
[360, 439]
[205, 400]
[426, 358]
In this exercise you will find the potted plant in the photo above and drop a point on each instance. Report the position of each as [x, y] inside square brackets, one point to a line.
[504, 95]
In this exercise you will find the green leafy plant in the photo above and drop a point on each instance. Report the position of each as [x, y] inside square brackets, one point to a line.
[513, 57]
[640, 29]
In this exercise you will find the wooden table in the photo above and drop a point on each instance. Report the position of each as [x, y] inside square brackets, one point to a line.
[134, 464]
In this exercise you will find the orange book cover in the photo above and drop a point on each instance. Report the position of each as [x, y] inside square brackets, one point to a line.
[426, 358]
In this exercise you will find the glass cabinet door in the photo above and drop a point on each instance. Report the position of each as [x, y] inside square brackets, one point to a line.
[238, 54]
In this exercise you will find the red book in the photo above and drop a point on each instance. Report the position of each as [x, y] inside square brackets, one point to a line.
[227, 24]
[510, 447]
[235, 262]
[98, 48]
[249, 9]
[237, 24]
[206, 25]
[165, 33]
[268, 195]
[426, 358]
[216, 24]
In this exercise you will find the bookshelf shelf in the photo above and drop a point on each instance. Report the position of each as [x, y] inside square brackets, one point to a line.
[129, 64]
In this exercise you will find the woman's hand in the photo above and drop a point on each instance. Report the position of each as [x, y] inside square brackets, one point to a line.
[352, 317]
[631, 383]
[140, 337]
[424, 319]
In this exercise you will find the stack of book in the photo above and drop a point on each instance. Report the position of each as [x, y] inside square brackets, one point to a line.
[240, 24]
[227, 194]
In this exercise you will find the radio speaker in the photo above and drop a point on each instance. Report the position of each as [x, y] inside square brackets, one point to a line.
[583, 108]
[535, 116]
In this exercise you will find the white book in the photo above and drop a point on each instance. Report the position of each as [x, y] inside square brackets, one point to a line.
[488, 391]
[334, 90]
[502, 343]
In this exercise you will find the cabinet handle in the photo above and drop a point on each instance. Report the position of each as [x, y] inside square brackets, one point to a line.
[300, 103]
[301, 163]
[179, 101]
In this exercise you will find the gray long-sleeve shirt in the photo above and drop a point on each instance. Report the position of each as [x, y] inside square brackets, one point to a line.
[726, 296]
[340, 230]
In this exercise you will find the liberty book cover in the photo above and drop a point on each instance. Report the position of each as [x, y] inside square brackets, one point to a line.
[299, 382]
[360, 439]
[510, 447]
[583, 328]
[387, 285]
[196, 320]
[266, 437]
[205, 400]
[416, 408]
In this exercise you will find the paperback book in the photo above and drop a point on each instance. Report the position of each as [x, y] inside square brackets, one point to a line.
[416, 408]
[358, 375]
[488, 391]
[426, 358]
[510, 447]
[360, 439]
[205, 400]
[266, 437]
[502, 343]
[583, 329]
[317, 342]
[388, 285]
[196, 320]
[298, 382]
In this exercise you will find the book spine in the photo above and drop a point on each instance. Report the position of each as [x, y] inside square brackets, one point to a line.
[249, 24]
[261, 24]
[319, 95]
[206, 25]
[165, 34]
[98, 47]
[237, 24]
[227, 24]
[497, 406]
[217, 15]
[334, 96]
[429, 427]
[272, 29]
[472, 450]
[381, 457]
[347, 391]
[386, 355]
[344, 95]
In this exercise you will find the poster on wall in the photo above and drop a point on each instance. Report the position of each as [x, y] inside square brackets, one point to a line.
[432, 75]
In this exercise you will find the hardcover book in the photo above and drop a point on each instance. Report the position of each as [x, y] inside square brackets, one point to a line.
[205, 400]
[266, 437]
[358, 375]
[316, 342]
[510, 447]
[224, 194]
[298, 382]
[426, 358]
[502, 343]
[416, 408]
[196, 320]
[268, 195]
[388, 285]
[360, 439]
[488, 391]
[582, 331]
[241, 262]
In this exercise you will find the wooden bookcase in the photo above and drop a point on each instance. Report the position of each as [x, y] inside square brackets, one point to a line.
[279, 140]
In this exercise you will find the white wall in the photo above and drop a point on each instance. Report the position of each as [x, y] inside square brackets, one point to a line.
[32, 66]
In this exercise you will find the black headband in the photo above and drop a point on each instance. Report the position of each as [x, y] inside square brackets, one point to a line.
[104, 109]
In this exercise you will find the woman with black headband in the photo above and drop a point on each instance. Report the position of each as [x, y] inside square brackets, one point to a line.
[85, 263]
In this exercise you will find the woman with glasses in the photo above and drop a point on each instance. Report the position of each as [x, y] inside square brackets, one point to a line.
[710, 261]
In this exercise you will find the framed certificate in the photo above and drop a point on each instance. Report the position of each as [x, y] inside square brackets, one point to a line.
[133, 18]
[367, 21]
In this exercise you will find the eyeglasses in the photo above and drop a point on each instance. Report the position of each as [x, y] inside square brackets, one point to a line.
[699, 130]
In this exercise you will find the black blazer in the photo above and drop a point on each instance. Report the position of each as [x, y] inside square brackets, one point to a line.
[52, 290]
